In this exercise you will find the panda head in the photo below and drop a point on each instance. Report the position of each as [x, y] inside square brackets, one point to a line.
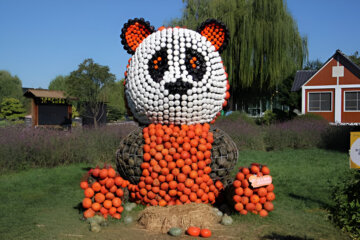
[175, 75]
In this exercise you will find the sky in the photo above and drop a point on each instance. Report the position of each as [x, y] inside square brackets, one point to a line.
[42, 39]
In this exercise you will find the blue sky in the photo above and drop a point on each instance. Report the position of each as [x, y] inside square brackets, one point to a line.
[41, 39]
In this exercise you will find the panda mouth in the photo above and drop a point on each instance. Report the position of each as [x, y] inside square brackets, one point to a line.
[178, 87]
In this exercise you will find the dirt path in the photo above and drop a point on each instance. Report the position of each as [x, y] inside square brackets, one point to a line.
[135, 231]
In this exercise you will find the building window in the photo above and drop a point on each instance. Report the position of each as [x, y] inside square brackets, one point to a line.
[319, 101]
[352, 101]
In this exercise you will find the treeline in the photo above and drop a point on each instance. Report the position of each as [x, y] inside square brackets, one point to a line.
[13, 106]
[92, 85]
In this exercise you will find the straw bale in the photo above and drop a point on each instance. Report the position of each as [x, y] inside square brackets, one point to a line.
[161, 219]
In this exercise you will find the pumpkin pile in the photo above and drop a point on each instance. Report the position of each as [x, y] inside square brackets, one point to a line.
[196, 231]
[176, 166]
[249, 199]
[103, 190]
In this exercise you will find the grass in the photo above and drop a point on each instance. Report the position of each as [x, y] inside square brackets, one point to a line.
[303, 181]
[42, 203]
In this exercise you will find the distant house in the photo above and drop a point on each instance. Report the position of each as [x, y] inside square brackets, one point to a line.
[333, 91]
[49, 107]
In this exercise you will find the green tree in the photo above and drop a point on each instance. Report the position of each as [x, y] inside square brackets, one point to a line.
[10, 86]
[313, 65]
[58, 83]
[116, 101]
[265, 45]
[12, 109]
[89, 84]
[355, 58]
[286, 96]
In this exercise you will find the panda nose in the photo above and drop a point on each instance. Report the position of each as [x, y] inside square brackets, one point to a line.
[178, 87]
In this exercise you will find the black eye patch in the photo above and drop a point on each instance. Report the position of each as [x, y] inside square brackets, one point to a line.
[158, 64]
[195, 64]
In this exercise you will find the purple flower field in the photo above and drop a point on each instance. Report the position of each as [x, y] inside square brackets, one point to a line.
[23, 148]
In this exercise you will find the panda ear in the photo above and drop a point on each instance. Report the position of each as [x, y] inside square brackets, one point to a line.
[134, 32]
[215, 32]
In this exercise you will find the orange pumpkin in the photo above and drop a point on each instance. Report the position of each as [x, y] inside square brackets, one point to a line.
[96, 186]
[270, 196]
[89, 192]
[103, 173]
[95, 172]
[89, 213]
[205, 233]
[96, 206]
[269, 206]
[86, 203]
[263, 213]
[193, 231]
[99, 197]
[111, 172]
[116, 202]
[107, 204]
[84, 185]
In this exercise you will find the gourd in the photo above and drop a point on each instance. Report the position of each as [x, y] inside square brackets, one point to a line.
[174, 231]
[94, 227]
[128, 220]
[226, 220]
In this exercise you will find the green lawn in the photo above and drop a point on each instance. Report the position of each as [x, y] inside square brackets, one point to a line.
[42, 203]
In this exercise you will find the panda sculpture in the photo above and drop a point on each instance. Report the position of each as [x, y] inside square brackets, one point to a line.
[175, 77]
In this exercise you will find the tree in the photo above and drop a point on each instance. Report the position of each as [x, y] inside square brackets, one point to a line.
[10, 86]
[265, 45]
[313, 65]
[12, 109]
[89, 85]
[355, 58]
[58, 83]
[286, 96]
[116, 101]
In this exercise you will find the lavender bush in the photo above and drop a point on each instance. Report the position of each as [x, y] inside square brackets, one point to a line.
[246, 134]
[22, 148]
[301, 132]
[297, 133]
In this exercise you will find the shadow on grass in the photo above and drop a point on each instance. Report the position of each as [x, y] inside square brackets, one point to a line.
[275, 236]
[79, 207]
[307, 199]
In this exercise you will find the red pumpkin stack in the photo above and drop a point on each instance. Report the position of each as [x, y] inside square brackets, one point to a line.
[176, 166]
[104, 195]
[248, 199]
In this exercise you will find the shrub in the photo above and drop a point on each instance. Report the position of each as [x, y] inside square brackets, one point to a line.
[236, 115]
[302, 132]
[338, 137]
[310, 116]
[297, 133]
[12, 110]
[346, 211]
[246, 134]
[268, 118]
[22, 148]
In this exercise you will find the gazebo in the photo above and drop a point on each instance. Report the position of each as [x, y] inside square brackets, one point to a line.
[49, 107]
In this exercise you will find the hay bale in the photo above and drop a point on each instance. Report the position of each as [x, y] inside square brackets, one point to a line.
[161, 219]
